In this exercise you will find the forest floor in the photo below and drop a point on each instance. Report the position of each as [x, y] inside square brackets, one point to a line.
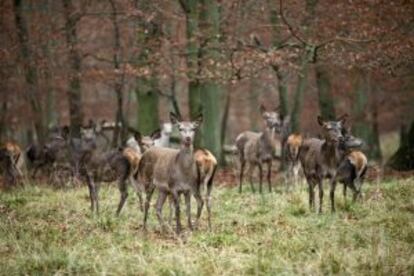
[48, 231]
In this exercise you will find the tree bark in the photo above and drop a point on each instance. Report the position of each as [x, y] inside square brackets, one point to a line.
[211, 91]
[31, 76]
[326, 101]
[74, 91]
[362, 126]
[403, 158]
[300, 88]
[191, 11]
[120, 126]
[146, 90]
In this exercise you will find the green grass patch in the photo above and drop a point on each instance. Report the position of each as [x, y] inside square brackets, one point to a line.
[48, 231]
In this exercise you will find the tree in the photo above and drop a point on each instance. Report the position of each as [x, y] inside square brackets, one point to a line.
[148, 32]
[74, 90]
[31, 77]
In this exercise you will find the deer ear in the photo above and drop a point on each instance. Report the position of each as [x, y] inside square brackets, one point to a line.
[156, 134]
[343, 118]
[173, 118]
[199, 119]
[320, 121]
[138, 136]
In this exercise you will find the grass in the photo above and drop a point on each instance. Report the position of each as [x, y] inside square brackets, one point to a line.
[46, 231]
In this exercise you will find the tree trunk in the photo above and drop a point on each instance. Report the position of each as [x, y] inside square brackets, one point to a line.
[147, 98]
[120, 127]
[211, 91]
[280, 75]
[30, 70]
[74, 91]
[326, 101]
[300, 88]
[403, 158]
[363, 127]
[3, 113]
[146, 90]
[190, 8]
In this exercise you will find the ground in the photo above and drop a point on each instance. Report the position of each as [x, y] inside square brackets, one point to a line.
[47, 231]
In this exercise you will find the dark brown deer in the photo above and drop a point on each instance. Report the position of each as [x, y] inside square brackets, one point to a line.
[353, 166]
[320, 159]
[257, 149]
[172, 172]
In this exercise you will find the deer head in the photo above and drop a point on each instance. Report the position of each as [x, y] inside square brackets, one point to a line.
[332, 130]
[146, 142]
[272, 119]
[350, 141]
[187, 129]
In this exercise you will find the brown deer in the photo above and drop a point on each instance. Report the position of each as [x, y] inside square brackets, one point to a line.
[172, 172]
[293, 144]
[320, 159]
[135, 146]
[207, 166]
[258, 148]
[353, 167]
[12, 161]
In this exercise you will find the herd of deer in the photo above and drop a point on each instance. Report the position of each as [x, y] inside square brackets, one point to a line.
[149, 163]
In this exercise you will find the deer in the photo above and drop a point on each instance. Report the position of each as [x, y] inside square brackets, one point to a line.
[207, 166]
[353, 166]
[11, 161]
[257, 148]
[292, 147]
[95, 165]
[135, 146]
[320, 159]
[172, 172]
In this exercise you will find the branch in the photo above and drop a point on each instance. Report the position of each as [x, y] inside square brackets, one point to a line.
[291, 30]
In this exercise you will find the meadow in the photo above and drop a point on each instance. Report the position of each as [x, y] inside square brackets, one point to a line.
[47, 231]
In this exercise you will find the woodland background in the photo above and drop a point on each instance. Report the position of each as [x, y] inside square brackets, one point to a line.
[68, 61]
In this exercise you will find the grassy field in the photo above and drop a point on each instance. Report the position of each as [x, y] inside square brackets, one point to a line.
[46, 231]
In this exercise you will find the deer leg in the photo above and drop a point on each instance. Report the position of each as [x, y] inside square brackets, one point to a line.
[177, 212]
[242, 167]
[171, 205]
[160, 203]
[138, 191]
[260, 177]
[269, 175]
[149, 193]
[311, 193]
[250, 173]
[320, 188]
[296, 175]
[91, 191]
[200, 204]
[344, 191]
[187, 197]
[332, 193]
[123, 189]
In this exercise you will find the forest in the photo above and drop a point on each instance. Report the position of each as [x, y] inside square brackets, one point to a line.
[193, 99]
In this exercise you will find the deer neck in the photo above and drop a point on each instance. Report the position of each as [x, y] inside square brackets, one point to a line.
[268, 136]
[331, 153]
[185, 157]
